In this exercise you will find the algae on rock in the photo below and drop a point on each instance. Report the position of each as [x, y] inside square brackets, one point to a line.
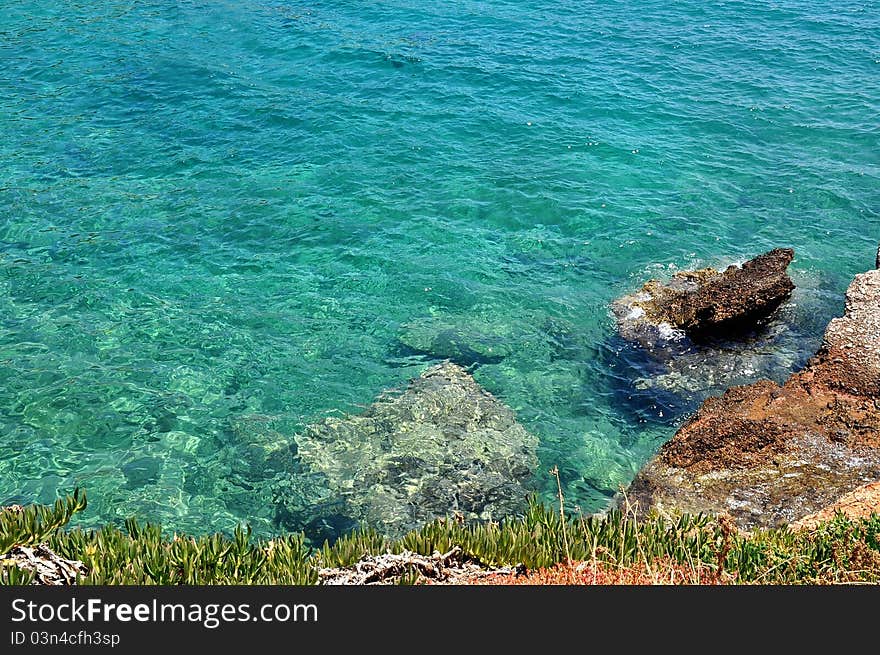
[443, 446]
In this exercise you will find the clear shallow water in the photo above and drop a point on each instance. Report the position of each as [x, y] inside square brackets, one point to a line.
[216, 218]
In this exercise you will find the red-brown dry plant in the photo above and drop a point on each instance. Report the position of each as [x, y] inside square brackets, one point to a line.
[663, 572]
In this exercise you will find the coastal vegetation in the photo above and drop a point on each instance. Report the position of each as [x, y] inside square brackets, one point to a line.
[619, 547]
[682, 521]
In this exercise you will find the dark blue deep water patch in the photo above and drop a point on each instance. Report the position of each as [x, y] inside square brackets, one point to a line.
[222, 221]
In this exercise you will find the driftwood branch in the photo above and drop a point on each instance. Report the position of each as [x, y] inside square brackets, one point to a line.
[48, 568]
[390, 568]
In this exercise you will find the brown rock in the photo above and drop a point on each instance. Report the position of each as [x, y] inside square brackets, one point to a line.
[769, 454]
[741, 296]
[706, 302]
[850, 356]
[858, 504]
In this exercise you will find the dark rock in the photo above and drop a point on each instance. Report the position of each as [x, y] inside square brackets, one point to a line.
[769, 454]
[739, 298]
[707, 303]
[142, 471]
[704, 331]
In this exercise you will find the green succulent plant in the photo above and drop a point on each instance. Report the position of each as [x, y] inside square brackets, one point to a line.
[839, 550]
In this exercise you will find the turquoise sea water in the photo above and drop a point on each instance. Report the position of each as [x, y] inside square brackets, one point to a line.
[218, 218]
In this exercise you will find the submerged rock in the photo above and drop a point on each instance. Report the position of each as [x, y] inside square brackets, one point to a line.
[443, 446]
[483, 336]
[474, 342]
[770, 454]
[706, 303]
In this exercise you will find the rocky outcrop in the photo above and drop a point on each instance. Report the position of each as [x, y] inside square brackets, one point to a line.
[769, 454]
[858, 504]
[850, 357]
[444, 446]
[704, 331]
[706, 303]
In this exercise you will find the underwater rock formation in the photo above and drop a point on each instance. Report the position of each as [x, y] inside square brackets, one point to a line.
[768, 454]
[444, 446]
[858, 504]
[458, 342]
[482, 336]
[706, 303]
